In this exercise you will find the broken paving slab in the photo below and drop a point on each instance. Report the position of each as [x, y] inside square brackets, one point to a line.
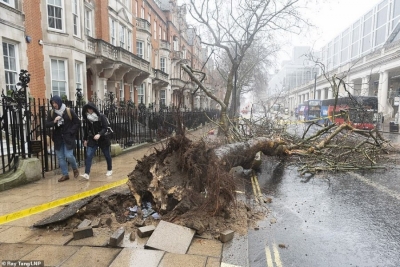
[65, 213]
[171, 238]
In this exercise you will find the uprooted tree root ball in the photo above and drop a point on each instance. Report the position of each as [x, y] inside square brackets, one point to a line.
[183, 177]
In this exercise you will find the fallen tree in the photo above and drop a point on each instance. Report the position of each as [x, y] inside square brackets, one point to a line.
[189, 176]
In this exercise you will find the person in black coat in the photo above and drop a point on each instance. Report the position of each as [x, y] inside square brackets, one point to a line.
[66, 125]
[95, 137]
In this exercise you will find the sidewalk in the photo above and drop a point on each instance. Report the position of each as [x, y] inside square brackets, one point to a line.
[19, 241]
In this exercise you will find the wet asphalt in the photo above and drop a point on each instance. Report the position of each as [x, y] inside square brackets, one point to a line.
[332, 220]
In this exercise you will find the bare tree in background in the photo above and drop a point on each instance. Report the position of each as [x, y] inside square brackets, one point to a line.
[232, 27]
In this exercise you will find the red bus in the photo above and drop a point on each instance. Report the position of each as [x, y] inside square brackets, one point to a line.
[359, 111]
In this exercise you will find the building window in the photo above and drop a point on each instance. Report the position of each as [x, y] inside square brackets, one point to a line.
[159, 33]
[121, 92]
[176, 47]
[131, 96]
[9, 2]
[162, 64]
[122, 30]
[162, 98]
[88, 22]
[136, 9]
[112, 33]
[155, 30]
[10, 65]
[54, 14]
[75, 15]
[355, 39]
[142, 12]
[148, 51]
[58, 77]
[139, 49]
[141, 90]
[78, 75]
[129, 42]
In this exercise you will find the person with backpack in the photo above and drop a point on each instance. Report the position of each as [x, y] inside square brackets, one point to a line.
[95, 136]
[66, 125]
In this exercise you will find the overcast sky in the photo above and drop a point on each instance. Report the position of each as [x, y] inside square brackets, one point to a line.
[330, 17]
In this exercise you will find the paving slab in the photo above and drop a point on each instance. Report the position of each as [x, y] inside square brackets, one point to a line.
[132, 257]
[137, 243]
[205, 247]
[92, 256]
[213, 262]
[100, 238]
[16, 234]
[174, 260]
[65, 213]
[46, 237]
[171, 238]
[51, 255]
[15, 251]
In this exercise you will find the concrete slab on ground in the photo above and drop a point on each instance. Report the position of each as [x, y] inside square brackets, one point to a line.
[15, 251]
[173, 260]
[131, 257]
[100, 238]
[52, 255]
[46, 237]
[171, 238]
[92, 256]
[205, 247]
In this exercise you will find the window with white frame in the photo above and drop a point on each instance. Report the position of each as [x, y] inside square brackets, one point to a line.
[10, 65]
[141, 91]
[76, 19]
[136, 9]
[176, 47]
[58, 77]
[148, 51]
[159, 32]
[54, 14]
[367, 33]
[78, 75]
[344, 56]
[129, 41]
[142, 12]
[355, 39]
[139, 49]
[164, 35]
[381, 23]
[155, 30]
[163, 98]
[88, 22]
[122, 30]
[121, 92]
[9, 2]
[112, 31]
[131, 95]
[163, 65]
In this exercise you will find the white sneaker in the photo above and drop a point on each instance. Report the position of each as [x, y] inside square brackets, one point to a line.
[86, 176]
[109, 173]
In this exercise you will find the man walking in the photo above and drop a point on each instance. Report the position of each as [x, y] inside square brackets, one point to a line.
[66, 125]
[95, 137]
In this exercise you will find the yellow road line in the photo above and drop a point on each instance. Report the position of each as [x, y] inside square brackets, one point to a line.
[277, 258]
[268, 256]
[59, 202]
[259, 194]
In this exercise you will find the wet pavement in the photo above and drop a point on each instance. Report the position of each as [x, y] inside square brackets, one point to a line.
[20, 241]
[332, 220]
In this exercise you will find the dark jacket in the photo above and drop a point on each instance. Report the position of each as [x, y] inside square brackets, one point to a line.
[65, 132]
[97, 127]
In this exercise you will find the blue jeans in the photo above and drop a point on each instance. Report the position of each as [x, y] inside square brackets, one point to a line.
[68, 154]
[90, 151]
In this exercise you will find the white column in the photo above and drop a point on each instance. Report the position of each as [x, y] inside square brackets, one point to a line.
[365, 86]
[330, 93]
[383, 91]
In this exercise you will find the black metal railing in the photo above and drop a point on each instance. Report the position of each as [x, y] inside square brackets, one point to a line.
[24, 135]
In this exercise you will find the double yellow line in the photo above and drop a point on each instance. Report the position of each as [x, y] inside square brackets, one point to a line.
[276, 257]
[59, 202]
